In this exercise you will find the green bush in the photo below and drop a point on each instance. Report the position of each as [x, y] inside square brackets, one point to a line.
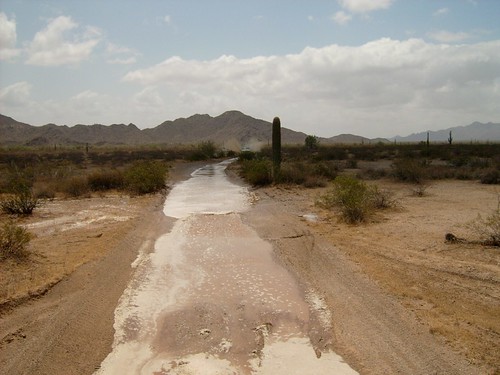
[353, 197]
[146, 177]
[257, 172]
[22, 203]
[105, 180]
[13, 241]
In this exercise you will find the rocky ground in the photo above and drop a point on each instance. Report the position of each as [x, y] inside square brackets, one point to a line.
[401, 299]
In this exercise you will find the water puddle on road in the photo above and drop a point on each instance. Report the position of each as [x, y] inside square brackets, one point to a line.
[210, 299]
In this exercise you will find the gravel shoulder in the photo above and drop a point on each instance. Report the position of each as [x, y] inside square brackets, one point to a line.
[401, 300]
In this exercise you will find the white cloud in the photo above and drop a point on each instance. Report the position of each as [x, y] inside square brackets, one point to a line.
[8, 38]
[370, 89]
[167, 19]
[148, 98]
[89, 104]
[441, 12]
[364, 6]
[444, 36]
[51, 47]
[16, 95]
[121, 55]
[341, 17]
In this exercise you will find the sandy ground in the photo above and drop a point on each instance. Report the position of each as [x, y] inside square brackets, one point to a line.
[400, 299]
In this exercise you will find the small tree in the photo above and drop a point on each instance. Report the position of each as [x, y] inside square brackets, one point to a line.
[276, 148]
[311, 142]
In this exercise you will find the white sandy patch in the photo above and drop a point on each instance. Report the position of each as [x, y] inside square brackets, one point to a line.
[195, 364]
[318, 306]
[296, 356]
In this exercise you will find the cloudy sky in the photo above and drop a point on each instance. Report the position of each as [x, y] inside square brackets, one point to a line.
[326, 67]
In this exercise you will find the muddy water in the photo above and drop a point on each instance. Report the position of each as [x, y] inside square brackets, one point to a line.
[211, 300]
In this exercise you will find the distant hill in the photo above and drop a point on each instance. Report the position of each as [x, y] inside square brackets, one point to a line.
[17, 133]
[476, 131]
[232, 130]
[353, 139]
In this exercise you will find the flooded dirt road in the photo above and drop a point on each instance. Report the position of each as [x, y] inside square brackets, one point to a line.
[210, 299]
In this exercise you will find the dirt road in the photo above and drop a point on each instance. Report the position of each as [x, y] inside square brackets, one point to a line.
[224, 313]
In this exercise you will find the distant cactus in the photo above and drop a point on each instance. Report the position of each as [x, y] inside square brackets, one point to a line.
[450, 138]
[276, 148]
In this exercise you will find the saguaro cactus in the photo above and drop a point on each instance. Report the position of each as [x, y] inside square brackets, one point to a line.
[276, 148]
[450, 138]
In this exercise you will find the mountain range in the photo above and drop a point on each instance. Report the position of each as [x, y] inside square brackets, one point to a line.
[475, 132]
[232, 130]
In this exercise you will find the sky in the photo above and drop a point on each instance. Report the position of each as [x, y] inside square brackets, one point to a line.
[376, 68]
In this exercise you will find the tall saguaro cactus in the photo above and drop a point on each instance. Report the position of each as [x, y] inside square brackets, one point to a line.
[276, 148]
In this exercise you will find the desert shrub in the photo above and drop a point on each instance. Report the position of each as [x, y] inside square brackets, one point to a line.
[247, 155]
[408, 170]
[105, 180]
[383, 198]
[351, 163]
[479, 163]
[146, 177]
[326, 169]
[419, 189]
[18, 180]
[313, 181]
[44, 191]
[293, 173]
[353, 197]
[203, 151]
[257, 172]
[491, 176]
[22, 203]
[75, 186]
[13, 241]
[488, 228]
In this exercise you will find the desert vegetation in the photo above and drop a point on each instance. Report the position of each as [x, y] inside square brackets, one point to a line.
[407, 163]
[355, 199]
[30, 174]
[351, 171]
